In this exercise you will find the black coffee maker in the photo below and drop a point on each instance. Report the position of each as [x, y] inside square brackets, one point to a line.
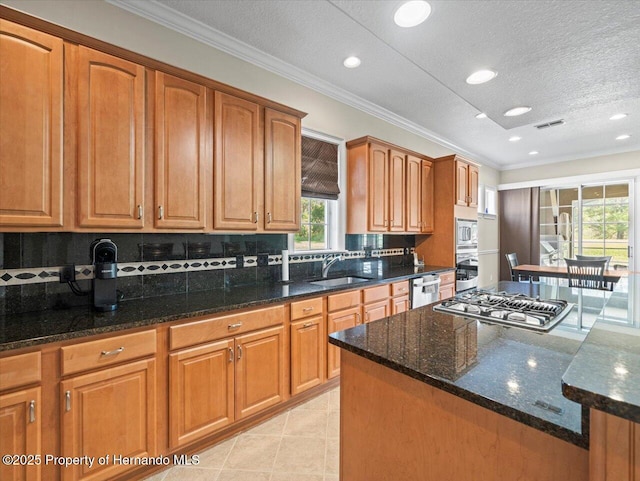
[104, 255]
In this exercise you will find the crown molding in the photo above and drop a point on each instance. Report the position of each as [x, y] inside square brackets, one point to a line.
[169, 18]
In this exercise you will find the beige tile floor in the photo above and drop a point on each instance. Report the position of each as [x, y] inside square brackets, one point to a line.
[298, 445]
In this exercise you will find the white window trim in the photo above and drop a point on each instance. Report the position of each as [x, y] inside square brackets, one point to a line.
[336, 211]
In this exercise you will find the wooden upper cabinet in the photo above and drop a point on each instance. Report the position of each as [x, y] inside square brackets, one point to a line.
[397, 189]
[238, 165]
[181, 153]
[378, 188]
[462, 182]
[31, 96]
[473, 185]
[426, 197]
[414, 203]
[282, 164]
[110, 141]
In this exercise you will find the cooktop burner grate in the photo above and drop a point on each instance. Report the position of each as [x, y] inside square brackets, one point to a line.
[506, 308]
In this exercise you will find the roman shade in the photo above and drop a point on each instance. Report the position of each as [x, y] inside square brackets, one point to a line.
[319, 169]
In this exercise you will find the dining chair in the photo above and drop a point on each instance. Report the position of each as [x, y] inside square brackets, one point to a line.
[587, 274]
[595, 258]
[512, 260]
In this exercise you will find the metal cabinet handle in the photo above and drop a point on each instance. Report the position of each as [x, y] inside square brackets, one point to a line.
[112, 353]
[230, 354]
[239, 352]
[359, 321]
[307, 324]
[268, 217]
[67, 401]
[255, 217]
[307, 309]
[32, 412]
[139, 211]
[235, 326]
[160, 212]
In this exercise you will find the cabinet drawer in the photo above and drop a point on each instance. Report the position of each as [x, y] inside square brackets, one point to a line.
[344, 300]
[447, 278]
[211, 329]
[105, 352]
[302, 309]
[19, 370]
[378, 293]
[400, 288]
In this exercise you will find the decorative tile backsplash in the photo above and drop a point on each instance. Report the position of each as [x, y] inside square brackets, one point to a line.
[160, 264]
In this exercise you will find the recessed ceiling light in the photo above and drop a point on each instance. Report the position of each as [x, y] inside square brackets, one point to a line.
[515, 138]
[617, 116]
[481, 76]
[412, 13]
[514, 112]
[534, 152]
[481, 115]
[623, 137]
[351, 62]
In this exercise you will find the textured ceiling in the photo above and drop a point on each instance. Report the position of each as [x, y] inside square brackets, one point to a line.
[572, 60]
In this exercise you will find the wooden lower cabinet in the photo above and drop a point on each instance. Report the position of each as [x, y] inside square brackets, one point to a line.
[260, 371]
[399, 304]
[307, 354]
[375, 310]
[338, 321]
[108, 412]
[614, 452]
[447, 285]
[201, 391]
[20, 432]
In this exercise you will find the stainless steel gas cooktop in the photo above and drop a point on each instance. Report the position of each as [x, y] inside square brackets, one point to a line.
[504, 308]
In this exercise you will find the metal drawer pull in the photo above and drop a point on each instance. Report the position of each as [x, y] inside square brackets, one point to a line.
[255, 217]
[239, 352]
[307, 324]
[112, 353]
[235, 326]
[32, 412]
[268, 217]
[160, 212]
[402, 289]
[307, 309]
[230, 355]
[67, 401]
[139, 211]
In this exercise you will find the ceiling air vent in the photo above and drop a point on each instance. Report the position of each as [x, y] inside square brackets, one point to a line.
[550, 124]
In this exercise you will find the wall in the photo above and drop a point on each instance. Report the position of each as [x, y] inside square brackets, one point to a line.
[592, 165]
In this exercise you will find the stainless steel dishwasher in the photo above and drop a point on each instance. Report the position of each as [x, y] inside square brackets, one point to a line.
[424, 290]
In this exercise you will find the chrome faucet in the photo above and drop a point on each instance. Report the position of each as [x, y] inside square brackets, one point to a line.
[328, 262]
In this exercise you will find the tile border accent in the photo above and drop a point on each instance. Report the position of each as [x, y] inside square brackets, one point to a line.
[38, 275]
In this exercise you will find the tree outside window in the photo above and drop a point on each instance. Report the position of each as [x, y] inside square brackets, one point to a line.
[313, 226]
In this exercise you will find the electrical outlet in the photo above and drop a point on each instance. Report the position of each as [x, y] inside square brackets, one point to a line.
[490, 277]
[263, 260]
[239, 261]
[67, 273]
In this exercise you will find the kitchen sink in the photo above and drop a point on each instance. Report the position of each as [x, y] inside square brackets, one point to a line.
[339, 281]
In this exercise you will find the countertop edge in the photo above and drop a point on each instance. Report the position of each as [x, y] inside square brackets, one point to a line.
[601, 402]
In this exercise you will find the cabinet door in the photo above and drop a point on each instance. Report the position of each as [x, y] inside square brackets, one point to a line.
[20, 432]
[473, 186]
[181, 153]
[110, 141]
[112, 411]
[447, 291]
[307, 354]
[260, 371]
[414, 199]
[201, 391]
[238, 164]
[426, 197]
[378, 188]
[399, 304]
[339, 321]
[462, 183]
[282, 163]
[31, 126]
[397, 189]
[375, 311]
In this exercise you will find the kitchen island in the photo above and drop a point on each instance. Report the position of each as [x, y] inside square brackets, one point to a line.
[434, 396]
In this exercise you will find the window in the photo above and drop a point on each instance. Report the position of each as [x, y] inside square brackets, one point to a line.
[314, 225]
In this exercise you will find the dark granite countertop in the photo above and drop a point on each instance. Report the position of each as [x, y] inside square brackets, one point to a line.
[517, 372]
[41, 327]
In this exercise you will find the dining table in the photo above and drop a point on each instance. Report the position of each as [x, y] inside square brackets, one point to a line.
[610, 275]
